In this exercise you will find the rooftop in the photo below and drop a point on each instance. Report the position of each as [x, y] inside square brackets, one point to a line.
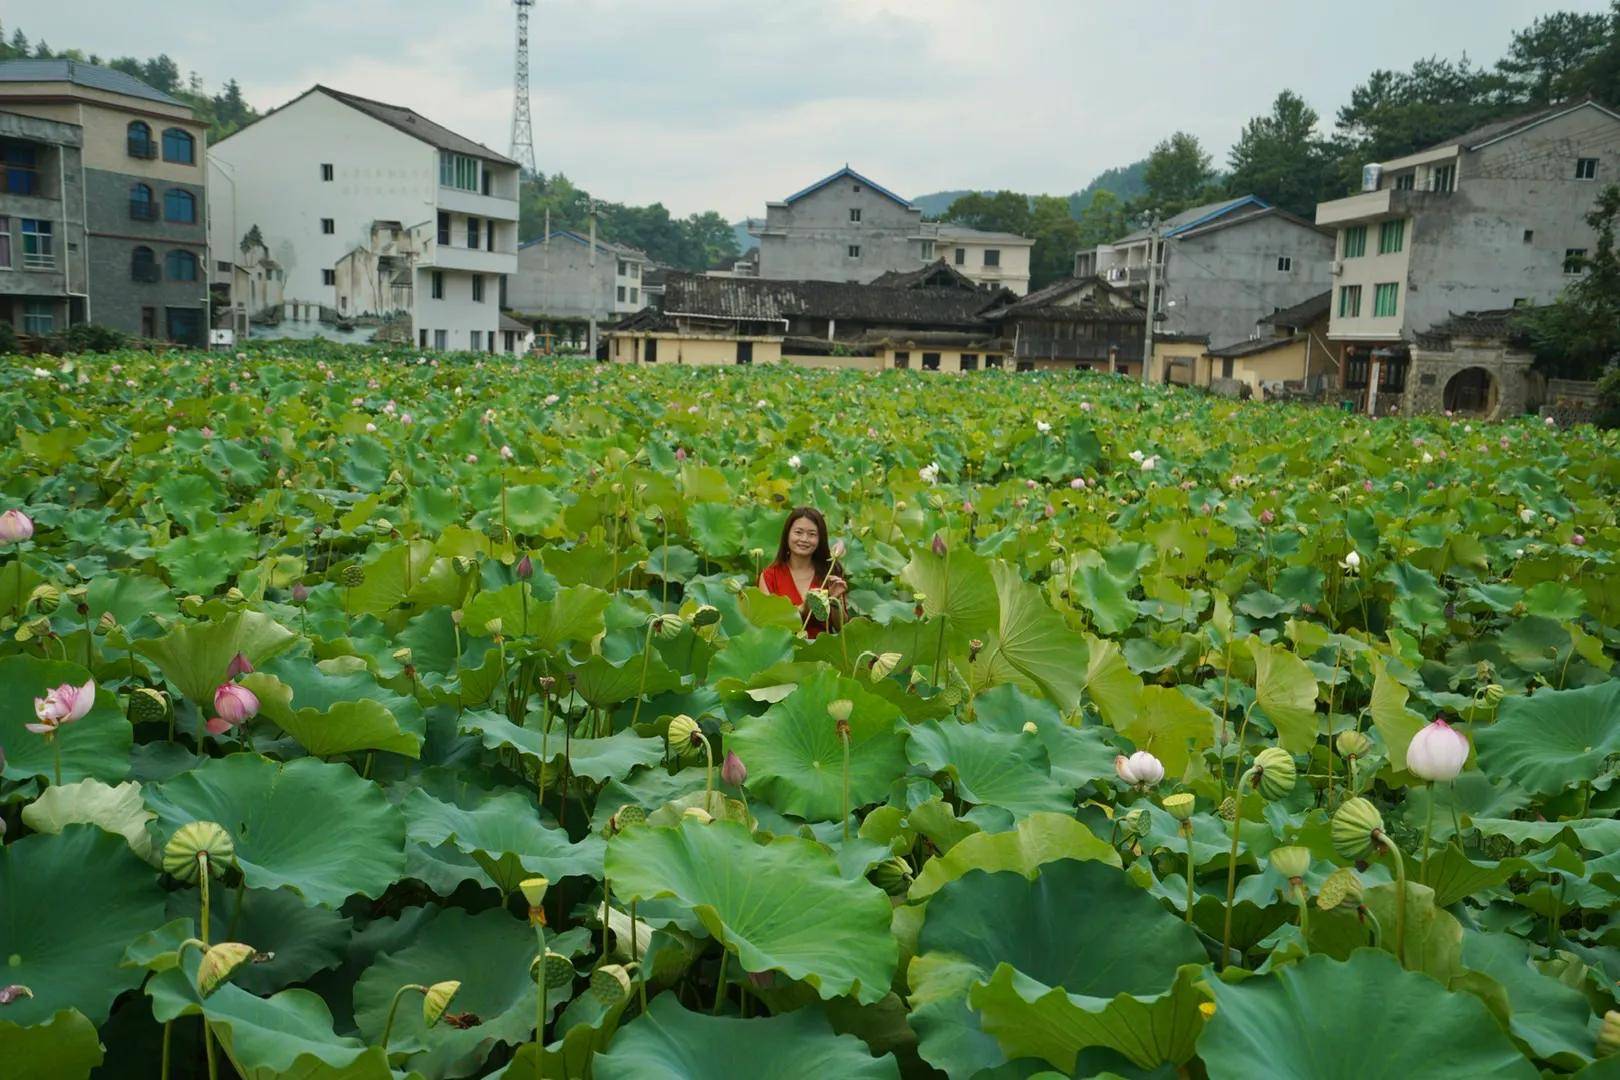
[1195, 216]
[414, 123]
[584, 241]
[841, 174]
[1303, 313]
[777, 301]
[962, 232]
[82, 74]
[1255, 345]
[1512, 125]
[1047, 303]
[938, 273]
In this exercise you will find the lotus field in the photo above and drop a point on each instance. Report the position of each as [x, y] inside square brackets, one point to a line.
[367, 716]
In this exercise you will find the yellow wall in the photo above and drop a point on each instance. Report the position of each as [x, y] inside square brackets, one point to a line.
[1165, 351]
[625, 348]
[105, 118]
[950, 357]
[841, 363]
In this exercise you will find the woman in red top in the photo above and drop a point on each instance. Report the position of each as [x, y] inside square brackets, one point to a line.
[804, 562]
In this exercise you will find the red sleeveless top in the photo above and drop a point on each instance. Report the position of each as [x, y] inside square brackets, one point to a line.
[778, 580]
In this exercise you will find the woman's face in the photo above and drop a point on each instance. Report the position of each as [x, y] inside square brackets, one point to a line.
[803, 537]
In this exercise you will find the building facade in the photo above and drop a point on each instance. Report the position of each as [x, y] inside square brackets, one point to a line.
[1080, 324]
[562, 287]
[1489, 221]
[44, 265]
[846, 228]
[341, 216]
[143, 195]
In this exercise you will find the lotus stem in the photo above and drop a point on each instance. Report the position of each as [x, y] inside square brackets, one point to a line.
[17, 600]
[635, 957]
[708, 773]
[1231, 875]
[540, 1007]
[1400, 893]
[646, 658]
[607, 893]
[1428, 828]
[393, 1007]
[845, 737]
[1556, 914]
[1186, 830]
[545, 739]
[56, 752]
[168, 1027]
[1377, 927]
[1302, 897]
[720, 982]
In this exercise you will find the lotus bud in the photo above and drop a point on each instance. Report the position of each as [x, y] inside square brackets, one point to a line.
[300, 592]
[1274, 773]
[1029, 728]
[193, 839]
[685, 735]
[240, 665]
[14, 992]
[235, 704]
[1437, 752]
[697, 814]
[939, 546]
[838, 549]
[148, 706]
[1608, 1038]
[436, 999]
[883, 665]
[705, 615]
[668, 627]
[534, 890]
[15, 527]
[733, 771]
[892, 875]
[1342, 887]
[1352, 743]
[456, 616]
[107, 623]
[219, 963]
[1141, 769]
[610, 984]
[46, 598]
[1180, 805]
[493, 627]
[556, 969]
[1354, 823]
[524, 568]
[352, 576]
[1291, 861]
[841, 710]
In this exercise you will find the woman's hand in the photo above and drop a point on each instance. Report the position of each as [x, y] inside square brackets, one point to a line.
[836, 587]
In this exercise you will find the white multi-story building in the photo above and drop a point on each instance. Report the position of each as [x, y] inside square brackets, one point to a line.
[352, 218]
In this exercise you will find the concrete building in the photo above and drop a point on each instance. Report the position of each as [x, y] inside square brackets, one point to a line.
[1222, 267]
[846, 228]
[44, 265]
[358, 220]
[140, 198]
[560, 287]
[1485, 222]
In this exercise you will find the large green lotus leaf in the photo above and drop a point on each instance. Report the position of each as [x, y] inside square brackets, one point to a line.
[289, 1034]
[300, 938]
[118, 810]
[1551, 739]
[1170, 725]
[958, 586]
[796, 760]
[1038, 839]
[1106, 596]
[1434, 937]
[716, 528]
[1126, 944]
[616, 756]
[780, 906]
[129, 598]
[386, 579]
[65, 1047]
[194, 656]
[574, 614]
[672, 1043]
[601, 682]
[506, 831]
[201, 562]
[1285, 689]
[1078, 755]
[752, 651]
[315, 827]
[1034, 640]
[588, 1024]
[989, 767]
[337, 707]
[1549, 1017]
[1320, 1019]
[69, 905]
[1395, 722]
[1111, 685]
[530, 508]
[489, 953]
[97, 745]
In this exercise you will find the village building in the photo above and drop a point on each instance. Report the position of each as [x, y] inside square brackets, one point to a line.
[353, 219]
[563, 286]
[1078, 324]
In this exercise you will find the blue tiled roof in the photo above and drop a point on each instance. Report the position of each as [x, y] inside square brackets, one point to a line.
[846, 171]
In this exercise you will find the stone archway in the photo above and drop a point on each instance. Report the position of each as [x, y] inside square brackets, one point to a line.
[1473, 391]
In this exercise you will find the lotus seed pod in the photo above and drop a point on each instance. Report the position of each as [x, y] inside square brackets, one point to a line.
[892, 875]
[1494, 693]
[1274, 772]
[461, 565]
[107, 623]
[352, 576]
[219, 963]
[1228, 808]
[1180, 805]
[705, 615]
[1353, 826]
[698, 814]
[1352, 743]
[668, 627]
[494, 627]
[685, 737]
[883, 666]
[383, 525]
[1608, 1039]
[437, 999]
[46, 598]
[1029, 728]
[558, 970]
[38, 629]
[626, 816]
[497, 532]
[841, 710]
[402, 656]
[1291, 861]
[819, 601]
[195, 838]
[148, 706]
[534, 889]
[1342, 887]
[610, 984]
[233, 595]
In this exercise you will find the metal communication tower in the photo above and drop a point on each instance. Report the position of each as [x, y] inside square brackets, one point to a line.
[522, 128]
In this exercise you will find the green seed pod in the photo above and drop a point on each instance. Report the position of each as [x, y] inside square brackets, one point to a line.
[559, 970]
[1342, 887]
[819, 601]
[1274, 773]
[626, 816]
[685, 737]
[461, 565]
[148, 706]
[883, 666]
[1135, 824]
[107, 623]
[195, 838]
[1228, 809]
[437, 999]
[1608, 1039]
[497, 532]
[841, 710]
[219, 963]
[1291, 861]
[610, 984]
[46, 598]
[1180, 805]
[1494, 693]
[1352, 743]
[534, 889]
[352, 576]
[705, 615]
[891, 875]
[1353, 826]
[668, 627]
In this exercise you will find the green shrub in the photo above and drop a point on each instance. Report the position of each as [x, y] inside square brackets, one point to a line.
[88, 338]
[1608, 390]
[8, 339]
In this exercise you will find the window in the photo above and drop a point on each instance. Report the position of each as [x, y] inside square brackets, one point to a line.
[421, 339]
[970, 361]
[624, 268]
[140, 140]
[928, 251]
[1355, 242]
[1444, 178]
[141, 205]
[489, 236]
[902, 359]
[477, 339]
[458, 171]
[180, 206]
[621, 294]
[326, 173]
[651, 353]
[992, 361]
[1586, 168]
[635, 295]
[143, 266]
[478, 289]
[472, 233]
[5, 242]
[438, 284]
[930, 361]
[1386, 298]
[961, 256]
[855, 214]
[1574, 260]
[1406, 181]
[19, 163]
[1529, 235]
[1391, 237]
[992, 257]
[38, 317]
[328, 226]
[184, 325]
[855, 188]
[635, 271]
[444, 227]
[39, 250]
[441, 339]
[854, 251]
[1349, 301]
[328, 277]
[180, 265]
[179, 147]
[486, 187]
[1285, 264]
[745, 352]
[148, 322]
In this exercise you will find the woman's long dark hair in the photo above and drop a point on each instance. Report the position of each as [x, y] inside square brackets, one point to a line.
[822, 558]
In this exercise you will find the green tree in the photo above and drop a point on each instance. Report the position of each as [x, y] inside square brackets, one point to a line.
[1177, 176]
[1103, 219]
[1004, 211]
[1579, 335]
[1280, 157]
[1546, 60]
[19, 43]
[1057, 237]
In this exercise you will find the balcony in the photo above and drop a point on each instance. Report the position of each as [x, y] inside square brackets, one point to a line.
[447, 257]
[1371, 206]
[143, 210]
[458, 201]
[144, 149]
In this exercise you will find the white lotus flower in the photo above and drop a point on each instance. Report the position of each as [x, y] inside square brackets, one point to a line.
[1150, 463]
[1042, 426]
[1351, 562]
[1140, 769]
[929, 474]
[1437, 752]
[1428, 458]
[1136, 455]
[795, 461]
[1526, 515]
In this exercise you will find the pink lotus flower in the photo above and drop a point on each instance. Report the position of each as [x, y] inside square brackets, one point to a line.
[235, 704]
[680, 453]
[63, 705]
[1578, 539]
[506, 453]
[240, 665]
[1366, 485]
[1267, 517]
[524, 568]
[207, 432]
[15, 527]
[1437, 752]
[1077, 483]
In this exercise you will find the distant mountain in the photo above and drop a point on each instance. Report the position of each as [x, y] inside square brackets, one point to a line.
[744, 241]
[935, 203]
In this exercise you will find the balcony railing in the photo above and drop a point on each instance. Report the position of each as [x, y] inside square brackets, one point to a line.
[147, 272]
[142, 148]
[143, 210]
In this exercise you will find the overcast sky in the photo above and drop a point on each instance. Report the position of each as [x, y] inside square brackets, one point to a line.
[725, 104]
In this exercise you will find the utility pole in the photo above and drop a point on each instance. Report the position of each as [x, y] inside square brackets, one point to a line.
[1154, 244]
[594, 296]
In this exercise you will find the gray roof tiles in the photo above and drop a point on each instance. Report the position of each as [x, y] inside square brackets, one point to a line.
[82, 74]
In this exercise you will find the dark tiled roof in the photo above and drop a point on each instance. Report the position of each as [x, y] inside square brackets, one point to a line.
[81, 74]
[509, 323]
[910, 279]
[1194, 216]
[414, 123]
[762, 299]
[1491, 324]
[648, 318]
[584, 240]
[1303, 313]
[1255, 345]
[1046, 304]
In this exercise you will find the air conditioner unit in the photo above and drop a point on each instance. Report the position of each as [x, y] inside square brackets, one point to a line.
[1338, 267]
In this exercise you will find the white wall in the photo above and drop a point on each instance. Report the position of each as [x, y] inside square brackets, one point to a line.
[457, 312]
